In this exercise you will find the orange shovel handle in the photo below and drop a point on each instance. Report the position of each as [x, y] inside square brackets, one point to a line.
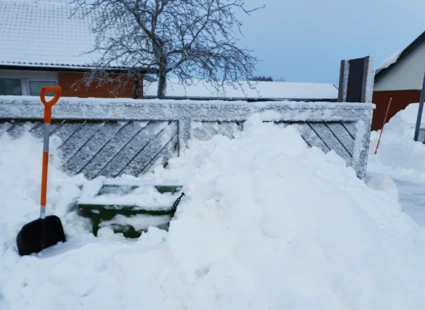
[47, 119]
[49, 104]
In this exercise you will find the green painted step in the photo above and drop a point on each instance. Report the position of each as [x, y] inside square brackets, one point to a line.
[104, 214]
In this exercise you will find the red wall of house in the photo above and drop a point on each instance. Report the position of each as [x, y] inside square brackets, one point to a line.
[67, 79]
[401, 99]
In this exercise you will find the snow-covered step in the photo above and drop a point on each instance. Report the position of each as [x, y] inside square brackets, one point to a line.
[128, 207]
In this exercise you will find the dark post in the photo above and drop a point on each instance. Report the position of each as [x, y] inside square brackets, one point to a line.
[137, 92]
[343, 81]
[355, 78]
[421, 107]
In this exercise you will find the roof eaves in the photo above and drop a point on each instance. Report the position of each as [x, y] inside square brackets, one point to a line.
[66, 67]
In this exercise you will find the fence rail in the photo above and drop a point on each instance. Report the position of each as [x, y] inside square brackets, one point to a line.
[112, 137]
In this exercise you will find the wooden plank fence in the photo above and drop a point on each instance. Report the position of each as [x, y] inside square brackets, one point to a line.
[102, 137]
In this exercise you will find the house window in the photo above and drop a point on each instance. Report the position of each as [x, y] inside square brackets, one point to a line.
[36, 85]
[10, 87]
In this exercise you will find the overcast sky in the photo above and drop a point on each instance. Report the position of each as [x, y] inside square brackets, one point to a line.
[305, 40]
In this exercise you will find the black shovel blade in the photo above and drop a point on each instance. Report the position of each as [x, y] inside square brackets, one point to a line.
[40, 234]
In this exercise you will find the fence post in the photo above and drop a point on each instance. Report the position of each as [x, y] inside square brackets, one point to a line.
[185, 132]
[421, 107]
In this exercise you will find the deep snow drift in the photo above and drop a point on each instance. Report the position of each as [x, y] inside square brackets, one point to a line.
[398, 153]
[399, 166]
[267, 223]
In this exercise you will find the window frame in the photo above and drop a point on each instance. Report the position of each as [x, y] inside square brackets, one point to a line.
[27, 82]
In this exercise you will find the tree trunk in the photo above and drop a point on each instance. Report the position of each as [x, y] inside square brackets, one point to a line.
[161, 82]
[138, 85]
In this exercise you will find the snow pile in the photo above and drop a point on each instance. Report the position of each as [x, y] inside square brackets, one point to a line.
[266, 223]
[20, 169]
[398, 153]
[398, 169]
[385, 184]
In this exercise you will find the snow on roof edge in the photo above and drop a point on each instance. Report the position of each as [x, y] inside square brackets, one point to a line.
[59, 66]
[389, 61]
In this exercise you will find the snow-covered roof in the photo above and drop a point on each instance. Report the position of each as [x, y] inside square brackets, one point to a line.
[43, 34]
[242, 90]
[391, 61]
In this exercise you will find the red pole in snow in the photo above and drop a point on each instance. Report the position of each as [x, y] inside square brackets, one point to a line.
[382, 129]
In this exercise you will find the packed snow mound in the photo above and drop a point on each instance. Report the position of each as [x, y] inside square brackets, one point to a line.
[266, 223]
[385, 184]
[398, 153]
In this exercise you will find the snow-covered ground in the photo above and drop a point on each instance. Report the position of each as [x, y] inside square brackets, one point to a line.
[401, 160]
[266, 223]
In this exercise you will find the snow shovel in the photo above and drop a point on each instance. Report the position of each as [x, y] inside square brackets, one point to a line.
[47, 230]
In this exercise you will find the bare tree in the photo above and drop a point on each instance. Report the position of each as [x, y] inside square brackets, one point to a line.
[188, 38]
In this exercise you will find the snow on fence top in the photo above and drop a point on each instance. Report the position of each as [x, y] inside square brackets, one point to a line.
[112, 137]
[29, 107]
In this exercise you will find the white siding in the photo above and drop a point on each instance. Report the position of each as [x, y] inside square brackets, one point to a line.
[27, 75]
[407, 74]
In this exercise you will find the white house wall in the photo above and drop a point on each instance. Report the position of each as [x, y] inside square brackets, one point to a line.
[27, 75]
[407, 74]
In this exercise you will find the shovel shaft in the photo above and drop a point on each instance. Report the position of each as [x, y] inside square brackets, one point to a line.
[45, 161]
[44, 178]
[47, 230]
[44, 171]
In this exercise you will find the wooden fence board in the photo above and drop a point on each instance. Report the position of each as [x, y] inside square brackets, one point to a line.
[328, 138]
[311, 137]
[4, 126]
[343, 136]
[96, 143]
[79, 139]
[151, 150]
[132, 148]
[114, 137]
[101, 160]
